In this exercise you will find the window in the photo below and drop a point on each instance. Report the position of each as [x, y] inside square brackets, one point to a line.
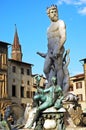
[78, 85]
[1, 88]
[28, 71]
[71, 88]
[1, 77]
[14, 69]
[3, 60]
[33, 93]
[28, 82]
[22, 70]
[13, 90]
[13, 80]
[28, 94]
[22, 91]
[22, 82]
[80, 96]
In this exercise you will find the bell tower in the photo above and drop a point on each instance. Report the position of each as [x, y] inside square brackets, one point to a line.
[16, 48]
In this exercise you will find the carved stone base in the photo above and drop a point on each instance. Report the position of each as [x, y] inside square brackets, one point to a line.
[51, 119]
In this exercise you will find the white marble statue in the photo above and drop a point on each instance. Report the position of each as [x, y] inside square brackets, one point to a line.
[56, 35]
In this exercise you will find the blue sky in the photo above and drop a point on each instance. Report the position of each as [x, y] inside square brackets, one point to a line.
[32, 22]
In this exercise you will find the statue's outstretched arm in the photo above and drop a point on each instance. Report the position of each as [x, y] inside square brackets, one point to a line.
[40, 90]
[42, 54]
[47, 90]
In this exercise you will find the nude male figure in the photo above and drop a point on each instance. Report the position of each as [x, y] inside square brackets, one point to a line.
[56, 35]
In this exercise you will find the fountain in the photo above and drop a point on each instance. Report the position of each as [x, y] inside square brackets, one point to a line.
[53, 107]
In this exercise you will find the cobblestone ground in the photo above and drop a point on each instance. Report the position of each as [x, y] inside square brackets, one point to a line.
[69, 128]
[77, 128]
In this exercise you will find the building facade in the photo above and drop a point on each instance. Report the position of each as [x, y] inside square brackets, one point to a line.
[19, 75]
[20, 81]
[4, 74]
[77, 87]
[3, 69]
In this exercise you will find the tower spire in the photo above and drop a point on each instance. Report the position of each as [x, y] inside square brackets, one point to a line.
[16, 47]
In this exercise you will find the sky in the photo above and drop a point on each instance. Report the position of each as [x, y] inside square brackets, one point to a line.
[32, 22]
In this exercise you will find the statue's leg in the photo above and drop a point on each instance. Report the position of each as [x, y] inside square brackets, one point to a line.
[47, 66]
[42, 107]
[39, 98]
[36, 99]
[38, 112]
[60, 78]
[45, 105]
[58, 104]
[59, 70]
[65, 84]
[51, 74]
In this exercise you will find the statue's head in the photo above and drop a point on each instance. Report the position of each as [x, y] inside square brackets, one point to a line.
[38, 79]
[54, 80]
[52, 12]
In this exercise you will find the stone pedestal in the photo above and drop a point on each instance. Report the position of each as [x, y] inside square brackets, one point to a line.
[51, 119]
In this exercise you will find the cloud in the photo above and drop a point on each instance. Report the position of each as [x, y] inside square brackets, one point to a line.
[80, 4]
[82, 11]
[72, 2]
[64, 1]
[83, 1]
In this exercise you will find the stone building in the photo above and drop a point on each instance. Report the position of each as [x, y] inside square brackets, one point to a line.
[78, 85]
[19, 81]
[16, 79]
[19, 75]
[3, 71]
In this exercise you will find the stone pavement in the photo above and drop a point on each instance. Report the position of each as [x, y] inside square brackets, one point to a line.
[76, 128]
[68, 128]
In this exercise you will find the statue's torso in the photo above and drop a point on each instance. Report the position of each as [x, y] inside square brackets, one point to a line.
[53, 36]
